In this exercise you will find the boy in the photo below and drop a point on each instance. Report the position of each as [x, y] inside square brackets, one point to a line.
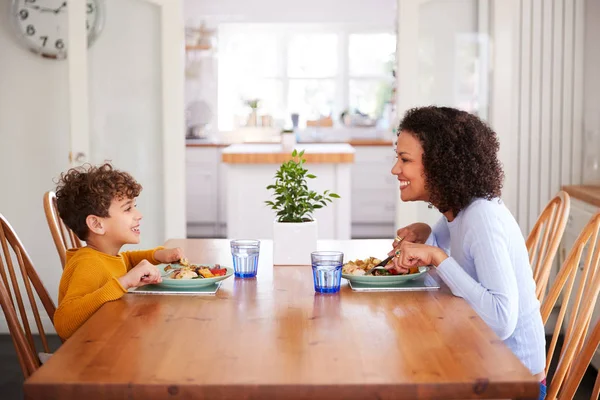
[98, 205]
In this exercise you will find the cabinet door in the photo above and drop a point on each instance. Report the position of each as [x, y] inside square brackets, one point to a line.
[374, 188]
[201, 184]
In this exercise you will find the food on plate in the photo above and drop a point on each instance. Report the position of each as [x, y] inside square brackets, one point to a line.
[360, 267]
[193, 271]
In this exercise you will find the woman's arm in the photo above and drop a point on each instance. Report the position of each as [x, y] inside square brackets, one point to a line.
[440, 236]
[494, 295]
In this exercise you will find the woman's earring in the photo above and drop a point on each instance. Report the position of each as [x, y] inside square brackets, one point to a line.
[429, 205]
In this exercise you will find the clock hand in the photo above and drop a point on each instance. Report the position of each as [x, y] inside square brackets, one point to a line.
[42, 9]
[64, 4]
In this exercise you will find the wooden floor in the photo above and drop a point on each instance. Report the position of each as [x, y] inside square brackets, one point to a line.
[11, 378]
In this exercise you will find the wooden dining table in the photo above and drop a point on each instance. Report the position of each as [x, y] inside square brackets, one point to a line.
[273, 337]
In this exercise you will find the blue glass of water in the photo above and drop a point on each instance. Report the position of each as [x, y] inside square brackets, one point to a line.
[327, 270]
[245, 257]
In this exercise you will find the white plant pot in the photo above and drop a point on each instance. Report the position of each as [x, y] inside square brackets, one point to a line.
[293, 242]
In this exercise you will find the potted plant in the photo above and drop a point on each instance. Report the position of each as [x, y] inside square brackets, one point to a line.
[295, 228]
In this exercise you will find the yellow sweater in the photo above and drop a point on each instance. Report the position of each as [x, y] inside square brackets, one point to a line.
[89, 280]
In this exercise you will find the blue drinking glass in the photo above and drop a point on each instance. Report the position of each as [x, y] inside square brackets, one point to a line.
[327, 270]
[245, 257]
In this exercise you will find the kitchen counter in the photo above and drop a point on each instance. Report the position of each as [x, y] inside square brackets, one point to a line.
[352, 136]
[250, 168]
[587, 193]
[275, 154]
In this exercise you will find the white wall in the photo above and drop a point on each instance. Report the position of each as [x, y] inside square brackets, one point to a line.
[125, 109]
[376, 12]
[591, 96]
[34, 144]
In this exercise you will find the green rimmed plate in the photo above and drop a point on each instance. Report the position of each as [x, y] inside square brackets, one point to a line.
[385, 279]
[191, 283]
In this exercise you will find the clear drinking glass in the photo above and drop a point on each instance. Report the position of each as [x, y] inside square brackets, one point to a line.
[327, 270]
[245, 257]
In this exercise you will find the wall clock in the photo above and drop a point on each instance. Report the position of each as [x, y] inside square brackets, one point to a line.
[42, 24]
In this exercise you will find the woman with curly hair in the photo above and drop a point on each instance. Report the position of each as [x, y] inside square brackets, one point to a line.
[448, 158]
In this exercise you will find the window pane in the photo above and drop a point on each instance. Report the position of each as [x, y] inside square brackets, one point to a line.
[251, 54]
[248, 63]
[372, 54]
[313, 56]
[369, 96]
[311, 98]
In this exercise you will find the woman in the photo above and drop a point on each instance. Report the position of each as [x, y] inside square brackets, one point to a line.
[449, 158]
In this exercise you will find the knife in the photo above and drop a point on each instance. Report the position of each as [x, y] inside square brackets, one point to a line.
[381, 264]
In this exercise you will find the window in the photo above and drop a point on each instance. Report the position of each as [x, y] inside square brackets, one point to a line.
[306, 70]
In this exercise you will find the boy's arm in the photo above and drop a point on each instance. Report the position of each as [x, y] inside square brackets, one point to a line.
[90, 287]
[133, 258]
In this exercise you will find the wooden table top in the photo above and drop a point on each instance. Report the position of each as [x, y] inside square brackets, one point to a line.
[273, 336]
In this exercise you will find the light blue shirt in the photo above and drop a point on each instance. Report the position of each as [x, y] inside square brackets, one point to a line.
[488, 266]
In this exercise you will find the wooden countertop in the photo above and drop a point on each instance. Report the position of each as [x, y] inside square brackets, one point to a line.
[273, 337]
[588, 193]
[338, 153]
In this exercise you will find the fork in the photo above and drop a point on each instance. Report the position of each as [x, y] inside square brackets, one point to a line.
[381, 264]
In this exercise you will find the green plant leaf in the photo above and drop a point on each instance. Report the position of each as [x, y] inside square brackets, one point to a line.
[334, 195]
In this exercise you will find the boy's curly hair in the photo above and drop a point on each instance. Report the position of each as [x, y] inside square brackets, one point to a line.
[89, 190]
[459, 156]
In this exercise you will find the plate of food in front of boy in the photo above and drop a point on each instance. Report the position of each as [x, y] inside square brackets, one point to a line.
[354, 271]
[190, 275]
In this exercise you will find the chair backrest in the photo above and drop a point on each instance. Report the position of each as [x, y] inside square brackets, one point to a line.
[15, 260]
[580, 365]
[63, 237]
[544, 239]
[581, 266]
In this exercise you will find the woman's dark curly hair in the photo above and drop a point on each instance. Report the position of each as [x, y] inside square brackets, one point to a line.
[459, 156]
[89, 190]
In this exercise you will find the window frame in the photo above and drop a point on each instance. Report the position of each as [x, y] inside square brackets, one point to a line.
[284, 33]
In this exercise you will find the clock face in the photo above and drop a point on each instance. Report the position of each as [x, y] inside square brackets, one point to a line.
[42, 24]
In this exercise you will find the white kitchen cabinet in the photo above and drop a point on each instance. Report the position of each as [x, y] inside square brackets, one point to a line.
[202, 188]
[374, 192]
[579, 216]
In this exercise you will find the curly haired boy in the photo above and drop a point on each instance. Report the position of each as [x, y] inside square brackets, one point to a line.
[98, 205]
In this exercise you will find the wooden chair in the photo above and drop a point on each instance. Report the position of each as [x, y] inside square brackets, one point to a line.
[12, 252]
[544, 239]
[63, 237]
[581, 267]
[580, 365]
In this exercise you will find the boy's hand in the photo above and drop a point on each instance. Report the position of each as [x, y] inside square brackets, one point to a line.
[142, 274]
[169, 255]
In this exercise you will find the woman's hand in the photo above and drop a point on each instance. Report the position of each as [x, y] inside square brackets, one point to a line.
[415, 233]
[169, 255]
[409, 254]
